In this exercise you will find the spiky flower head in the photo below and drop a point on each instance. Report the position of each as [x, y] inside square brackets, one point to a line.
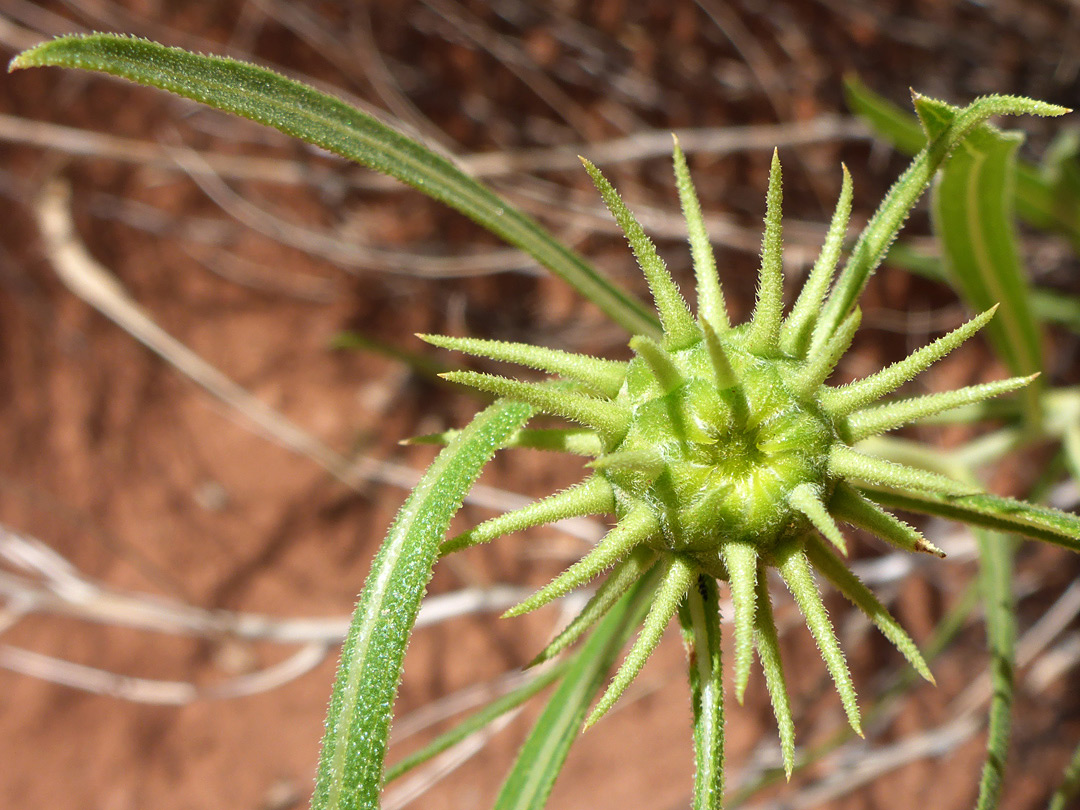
[722, 452]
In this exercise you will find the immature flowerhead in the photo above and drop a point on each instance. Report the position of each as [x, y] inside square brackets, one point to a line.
[722, 451]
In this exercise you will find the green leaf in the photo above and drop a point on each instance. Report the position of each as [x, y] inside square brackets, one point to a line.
[991, 512]
[972, 215]
[358, 722]
[995, 580]
[320, 119]
[541, 757]
[1040, 199]
[886, 222]
[699, 615]
[886, 119]
[477, 720]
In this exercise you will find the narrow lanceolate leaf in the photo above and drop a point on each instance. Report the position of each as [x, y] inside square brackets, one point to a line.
[477, 721]
[886, 222]
[601, 414]
[847, 463]
[680, 573]
[604, 376]
[1037, 197]
[995, 581]
[768, 647]
[710, 304]
[358, 723]
[306, 113]
[699, 615]
[593, 496]
[741, 561]
[633, 530]
[679, 329]
[618, 582]
[542, 756]
[795, 571]
[972, 213]
[807, 499]
[764, 334]
[795, 335]
[859, 595]
[849, 398]
[992, 512]
[852, 506]
[881, 418]
[820, 366]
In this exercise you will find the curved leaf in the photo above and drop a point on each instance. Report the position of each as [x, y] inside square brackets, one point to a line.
[990, 512]
[887, 221]
[541, 757]
[972, 214]
[1041, 200]
[358, 722]
[302, 111]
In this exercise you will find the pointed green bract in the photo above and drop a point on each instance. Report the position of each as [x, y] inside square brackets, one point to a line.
[768, 647]
[710, 305]
[575, 441]
[679, 328]
[741, 561]
[723, 374]
[604, 376]
[680, 573]
[631, 531]
[618, 582]
[848, 398]
[807, 500]
[765, 324]
[820, 366]
[859, 595]
[795, 571]
[601, 414]
[642, 460]
[847, 463]
[850, 505]
[659, 361]
[881, 418]
[593, 496]
[796, 331]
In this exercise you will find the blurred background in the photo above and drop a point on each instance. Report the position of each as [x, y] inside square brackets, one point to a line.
[184, 527]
